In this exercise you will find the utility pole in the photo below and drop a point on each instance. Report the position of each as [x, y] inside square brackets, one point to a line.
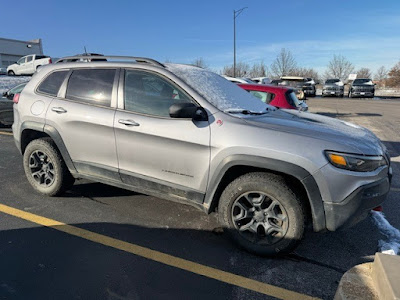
[236, 14]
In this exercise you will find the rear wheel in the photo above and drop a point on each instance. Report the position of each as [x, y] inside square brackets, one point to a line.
[262, 214]
[45, 168]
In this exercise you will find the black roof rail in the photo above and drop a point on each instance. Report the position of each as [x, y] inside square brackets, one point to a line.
[98, 57]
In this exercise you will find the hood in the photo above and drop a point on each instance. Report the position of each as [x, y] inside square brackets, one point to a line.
[13, 65]
[333, 85]
[316, 126]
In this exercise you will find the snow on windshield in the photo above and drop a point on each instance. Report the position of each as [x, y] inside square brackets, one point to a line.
[220, 92]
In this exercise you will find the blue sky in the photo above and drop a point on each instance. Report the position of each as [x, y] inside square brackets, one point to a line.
[366, 32]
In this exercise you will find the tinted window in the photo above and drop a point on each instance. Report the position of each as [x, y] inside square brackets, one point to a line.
[362, 81]
[91, 86]
[151, 94]
[29, 58]
[263, 96]
[52, 83]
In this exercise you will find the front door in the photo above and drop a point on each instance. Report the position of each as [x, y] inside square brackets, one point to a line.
[151, 145]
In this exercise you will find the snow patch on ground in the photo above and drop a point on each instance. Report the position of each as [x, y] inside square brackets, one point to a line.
[392, 244]
[8, 82]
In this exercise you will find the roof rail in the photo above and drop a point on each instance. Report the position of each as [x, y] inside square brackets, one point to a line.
[99, 57]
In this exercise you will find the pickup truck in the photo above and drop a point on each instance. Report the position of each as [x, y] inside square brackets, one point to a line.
[27, 65]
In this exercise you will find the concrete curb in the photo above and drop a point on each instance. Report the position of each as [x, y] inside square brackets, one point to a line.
[377, 280]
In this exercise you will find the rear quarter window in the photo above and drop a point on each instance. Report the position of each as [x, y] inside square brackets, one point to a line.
[52, 83]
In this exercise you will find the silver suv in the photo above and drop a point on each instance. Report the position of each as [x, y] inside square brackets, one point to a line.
[186, 134]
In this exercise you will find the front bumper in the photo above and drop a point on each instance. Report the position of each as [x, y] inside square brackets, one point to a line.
[332, 93]
[357, 205]
[362, 94]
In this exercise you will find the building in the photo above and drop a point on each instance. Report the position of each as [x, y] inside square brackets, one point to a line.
[12, 50]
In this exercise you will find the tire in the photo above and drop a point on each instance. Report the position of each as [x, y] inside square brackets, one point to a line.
[45, 169]
[10, 73]
[279, 210]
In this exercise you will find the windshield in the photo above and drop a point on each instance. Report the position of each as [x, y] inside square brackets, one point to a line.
[332, 80]
[362, 81]
[220, 92]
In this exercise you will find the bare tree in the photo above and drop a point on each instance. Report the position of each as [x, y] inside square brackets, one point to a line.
[258, 70]
[199, 62]
[394, 76]
[284, 64]
[364, 73]
[339, 67]
[307, 72]
[381, 74]
[242, 70]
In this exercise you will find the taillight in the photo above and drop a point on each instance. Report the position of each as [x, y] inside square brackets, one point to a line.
[50, 61]
[16, 98]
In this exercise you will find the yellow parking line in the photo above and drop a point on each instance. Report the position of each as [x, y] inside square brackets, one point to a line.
[5, 133]
[163, 258]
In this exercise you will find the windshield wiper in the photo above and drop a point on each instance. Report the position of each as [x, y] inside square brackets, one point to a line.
[245, 111]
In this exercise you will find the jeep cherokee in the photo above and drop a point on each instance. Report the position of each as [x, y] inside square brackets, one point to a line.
[186, 134]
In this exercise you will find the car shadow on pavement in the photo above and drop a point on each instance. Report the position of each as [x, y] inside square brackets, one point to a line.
[43, 263]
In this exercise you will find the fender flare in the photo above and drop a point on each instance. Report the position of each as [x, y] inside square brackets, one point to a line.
[306, 179]
[55, 136]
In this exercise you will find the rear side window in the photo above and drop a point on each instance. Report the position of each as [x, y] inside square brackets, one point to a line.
[52, 83]
[263, 96]
[92, 86]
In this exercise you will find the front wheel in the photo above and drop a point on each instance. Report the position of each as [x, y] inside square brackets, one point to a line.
[262, 214]
[45, 169]
[11, 73]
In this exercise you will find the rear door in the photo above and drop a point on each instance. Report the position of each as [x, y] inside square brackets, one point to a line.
[152, 146]
[83, 114]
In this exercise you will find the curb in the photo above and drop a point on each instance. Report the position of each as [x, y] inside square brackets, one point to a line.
[377, 280]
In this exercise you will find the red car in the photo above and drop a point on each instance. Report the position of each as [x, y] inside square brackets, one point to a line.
[279, 96]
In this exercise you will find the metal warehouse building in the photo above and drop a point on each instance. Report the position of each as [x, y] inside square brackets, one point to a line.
[12, 50]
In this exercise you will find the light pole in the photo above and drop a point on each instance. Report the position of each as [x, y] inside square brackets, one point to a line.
[236, 14]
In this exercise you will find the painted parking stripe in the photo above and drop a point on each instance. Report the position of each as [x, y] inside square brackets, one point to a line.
[160, 257]
[5, 133]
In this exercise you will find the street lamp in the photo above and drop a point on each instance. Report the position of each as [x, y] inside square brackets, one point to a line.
[236, 14]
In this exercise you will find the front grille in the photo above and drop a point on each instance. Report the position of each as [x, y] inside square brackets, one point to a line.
[331, 88]
[363, 89]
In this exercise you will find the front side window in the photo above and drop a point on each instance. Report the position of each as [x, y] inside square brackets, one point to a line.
[92, 86]
[29, 58]
[52, 83]
[151, 94]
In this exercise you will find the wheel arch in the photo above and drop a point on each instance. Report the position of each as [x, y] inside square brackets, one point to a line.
[297, 177]
[33, 130]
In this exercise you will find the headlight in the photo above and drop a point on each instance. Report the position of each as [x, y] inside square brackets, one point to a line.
[357, 163]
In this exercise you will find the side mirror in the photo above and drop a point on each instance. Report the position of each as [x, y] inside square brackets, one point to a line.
[10, 96]
[188, 111]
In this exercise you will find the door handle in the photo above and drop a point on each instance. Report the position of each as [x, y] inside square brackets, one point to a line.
[128, 122]
[59, 110]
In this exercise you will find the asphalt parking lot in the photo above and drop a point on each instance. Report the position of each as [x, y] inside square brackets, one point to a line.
[108, 243]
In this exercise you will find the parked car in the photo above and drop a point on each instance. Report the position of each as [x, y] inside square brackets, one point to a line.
[306, 85]
[261, 80]
[267, 172]
[333, 87]
[6, 104]
[296, 86]
[278, 96]
[238, 79]
[362, 87]
[27, 65]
